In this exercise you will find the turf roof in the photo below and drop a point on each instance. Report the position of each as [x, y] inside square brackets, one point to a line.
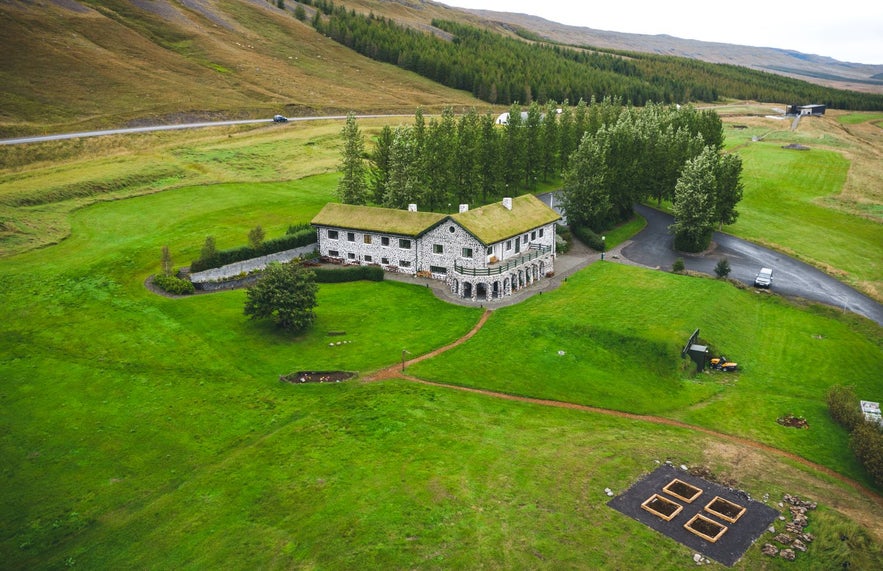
[495, 222]
[373, 219]
[489, 224]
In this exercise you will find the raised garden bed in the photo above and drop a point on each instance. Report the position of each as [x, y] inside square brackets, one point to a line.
[705, 528]
[725, 509]
[682, 490]
[662, 507]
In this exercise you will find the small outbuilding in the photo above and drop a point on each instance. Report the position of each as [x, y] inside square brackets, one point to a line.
[814, 109]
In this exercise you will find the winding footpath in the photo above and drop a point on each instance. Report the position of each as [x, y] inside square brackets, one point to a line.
[398, 372]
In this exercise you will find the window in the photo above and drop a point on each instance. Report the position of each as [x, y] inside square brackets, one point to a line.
[438, 270]
[541, 232]
[438, 249]
[369, 259]
[384, 261]
[508, 244]
[404, 244]
[334, 253]
[351, 256]
[405, 263]
[467, 252]
[384, 240]
[351, 236]
[524, 240]
[533, 235]
[451, 229]
[367, 238]
[332, 234]
[490, 250]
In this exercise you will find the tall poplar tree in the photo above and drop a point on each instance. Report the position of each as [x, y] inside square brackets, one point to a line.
[353, 187]
[694, 203]
[378, 171]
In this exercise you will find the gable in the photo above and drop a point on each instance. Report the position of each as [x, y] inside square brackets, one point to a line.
[494, 222]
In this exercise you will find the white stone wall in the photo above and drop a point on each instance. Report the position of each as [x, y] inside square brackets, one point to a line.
[360, 251]
[452, 238]
[247, 266]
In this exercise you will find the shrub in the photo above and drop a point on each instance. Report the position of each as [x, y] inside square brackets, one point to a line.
[350, 274]
[843, 407]
[562, 239]
[722, 269]
[692, 243]
[678, 266]
[588, 237]
[867, 444]
[173, 284]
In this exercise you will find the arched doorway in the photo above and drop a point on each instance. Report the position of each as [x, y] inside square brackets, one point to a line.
[467, 289]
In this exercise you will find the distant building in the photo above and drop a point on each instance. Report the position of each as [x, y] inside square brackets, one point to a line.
[482, 254]
[815, 109]
[503, 119]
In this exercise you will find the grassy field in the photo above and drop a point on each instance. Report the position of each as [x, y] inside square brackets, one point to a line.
[623, 355]
[142, 431]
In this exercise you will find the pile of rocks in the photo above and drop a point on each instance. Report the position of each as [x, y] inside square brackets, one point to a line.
[794, 537]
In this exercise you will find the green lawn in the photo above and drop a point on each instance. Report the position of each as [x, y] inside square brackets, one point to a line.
[784, 205]
[138, 431]
[621, 330]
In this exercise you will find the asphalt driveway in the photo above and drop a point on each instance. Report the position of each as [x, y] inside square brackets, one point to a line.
[653, 247]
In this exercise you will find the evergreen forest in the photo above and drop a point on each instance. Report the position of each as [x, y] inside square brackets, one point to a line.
[504, 70]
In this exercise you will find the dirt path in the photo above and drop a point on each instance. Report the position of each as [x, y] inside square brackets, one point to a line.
[395, 372]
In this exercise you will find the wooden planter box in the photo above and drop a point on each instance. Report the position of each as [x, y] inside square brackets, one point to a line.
[705, 528]
[662, 507]
[682, 490]
[725, 509]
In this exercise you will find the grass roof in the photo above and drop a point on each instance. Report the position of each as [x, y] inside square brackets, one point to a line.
[374, 219]
[489, 224]
[495, 222]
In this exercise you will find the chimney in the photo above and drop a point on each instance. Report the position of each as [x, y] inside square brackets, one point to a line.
[464, 208]
[507, 202]
[412, 208]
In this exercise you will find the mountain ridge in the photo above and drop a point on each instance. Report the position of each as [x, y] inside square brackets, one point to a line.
[819, 69]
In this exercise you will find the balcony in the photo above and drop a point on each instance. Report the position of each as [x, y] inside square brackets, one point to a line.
[535, 251]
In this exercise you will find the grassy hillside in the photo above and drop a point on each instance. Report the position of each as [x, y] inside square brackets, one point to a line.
[79, 65]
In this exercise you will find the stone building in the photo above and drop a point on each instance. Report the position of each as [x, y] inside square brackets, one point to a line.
[482, 254]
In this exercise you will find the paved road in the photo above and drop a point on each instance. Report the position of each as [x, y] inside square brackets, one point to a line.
[653, 247]
[148, 129]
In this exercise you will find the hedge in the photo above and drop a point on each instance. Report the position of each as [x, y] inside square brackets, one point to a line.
[588, 237]
[298, 238]
[843, 406]
[349, 274]
[866, 442]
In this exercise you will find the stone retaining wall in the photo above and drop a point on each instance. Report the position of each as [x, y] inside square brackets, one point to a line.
[246, 266]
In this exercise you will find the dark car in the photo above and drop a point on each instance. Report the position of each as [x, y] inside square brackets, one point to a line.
[280, 119]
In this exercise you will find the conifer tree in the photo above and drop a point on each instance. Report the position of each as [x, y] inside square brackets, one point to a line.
[353, 187]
